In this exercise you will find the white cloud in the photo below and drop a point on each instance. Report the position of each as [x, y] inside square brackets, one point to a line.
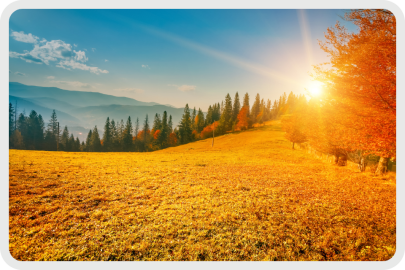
[130, 90]
[106, 60]
[75, 84]
[75, 45]
[50, 77]
[20, 36]
[72, 64]
[19, 73]
[54, 50]
[93, 49]
[80, 56]
[146, 66]
[184, 87]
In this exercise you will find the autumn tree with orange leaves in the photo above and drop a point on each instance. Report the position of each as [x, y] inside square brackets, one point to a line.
[360, 81]
[243, 118]
[293, 127]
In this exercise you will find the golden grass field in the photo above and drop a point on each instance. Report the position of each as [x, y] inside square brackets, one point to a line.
[250, 197]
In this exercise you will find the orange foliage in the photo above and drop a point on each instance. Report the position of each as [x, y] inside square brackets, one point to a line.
[172, 139]
[292, 125]
[156, 134]
[361, 84]
[207, 131]
[243, 121]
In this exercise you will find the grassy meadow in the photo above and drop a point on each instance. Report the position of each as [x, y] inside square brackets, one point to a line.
[250, 197]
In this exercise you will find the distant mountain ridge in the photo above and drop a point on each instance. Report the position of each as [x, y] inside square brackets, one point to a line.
[81, 111]
[75, 98]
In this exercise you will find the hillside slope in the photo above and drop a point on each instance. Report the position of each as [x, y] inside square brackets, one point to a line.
[250, 197]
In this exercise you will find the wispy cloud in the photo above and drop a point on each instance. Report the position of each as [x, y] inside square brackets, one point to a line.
[184, 87]
[106, 60]
[19, 73]
[224, 56]
[26, 38]
[52, 51]
[130, 90]
[50, 77]
[74, 84]
[93, 49]
[145, 66]
[75, 45]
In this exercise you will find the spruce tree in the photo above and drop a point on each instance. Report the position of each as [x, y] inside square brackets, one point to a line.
[157, 123]
[64, 140]
[114, 136]
[127, 139]
[170, 124]
[200, 124]
[246, 103]
[164, 132]
[193, 115]
[88, 141]
[225, 122]
[208, 119]
[107, 136]
[95, 144]
[255, 109]
[11, 124]
[22, 126]
[236, 108]
[71, 144]
[185, 129]
[77, 144]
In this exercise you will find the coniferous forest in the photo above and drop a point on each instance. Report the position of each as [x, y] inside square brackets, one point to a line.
[31, 133]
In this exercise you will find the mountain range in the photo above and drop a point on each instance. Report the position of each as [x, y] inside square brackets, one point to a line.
[81, 111]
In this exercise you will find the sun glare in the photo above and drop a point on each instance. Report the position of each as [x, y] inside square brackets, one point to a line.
[315, 88]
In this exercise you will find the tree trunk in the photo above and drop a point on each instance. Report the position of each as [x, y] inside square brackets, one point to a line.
[342, 160]
[336, 159]
[382, 166]
[293, 146]
[363, 164]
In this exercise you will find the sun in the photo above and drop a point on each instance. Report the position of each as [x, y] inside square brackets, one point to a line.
[315, 88]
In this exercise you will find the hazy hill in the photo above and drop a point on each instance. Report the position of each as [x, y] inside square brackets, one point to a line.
[27, 105]
[75, 98]
[96, 115]
[52, 103]
[90, 107]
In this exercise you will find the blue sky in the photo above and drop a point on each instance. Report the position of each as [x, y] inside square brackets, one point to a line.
[170, 56]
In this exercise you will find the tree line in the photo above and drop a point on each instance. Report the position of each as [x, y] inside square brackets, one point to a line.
[355, 116]
[29, 132]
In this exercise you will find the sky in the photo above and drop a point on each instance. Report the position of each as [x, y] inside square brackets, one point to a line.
[170, 56]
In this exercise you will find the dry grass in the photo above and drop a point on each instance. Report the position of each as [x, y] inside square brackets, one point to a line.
[250, 197]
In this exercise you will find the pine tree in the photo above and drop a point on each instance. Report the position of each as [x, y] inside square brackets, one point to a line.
[164, 132]
[255, 109]
[11, 124]
[77, 144]
[246, 104]
[64, 140]
[193, 115]
[236, 108]
[208, 118]
[95, 141]
[107, 136]
[52, 137]
[88, 141]
[185, 130]
[71, 144]
[157, 123]
[170, 124]
[22, 126]
[127, 139]
[225, 122]
[114, 136]
[200, 123]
